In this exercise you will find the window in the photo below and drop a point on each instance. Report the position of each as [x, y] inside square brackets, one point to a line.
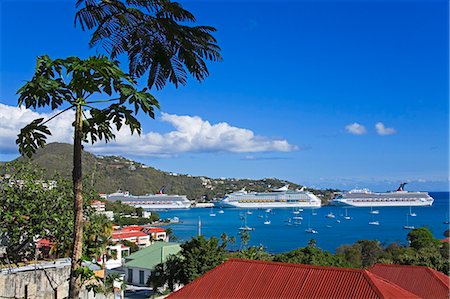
[130, 275]
[141, 277]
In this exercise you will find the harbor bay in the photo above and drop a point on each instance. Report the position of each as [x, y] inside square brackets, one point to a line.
[285, 233]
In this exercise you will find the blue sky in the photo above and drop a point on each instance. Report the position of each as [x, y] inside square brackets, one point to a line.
[309, 79]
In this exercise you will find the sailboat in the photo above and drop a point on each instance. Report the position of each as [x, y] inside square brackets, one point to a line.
[346, 217]
[407, 226]
[330, 215]
[245, 227]
[267, 221]
[211, 213]
[374, 222]
[372, 211]
[411, 213]
[310, 230]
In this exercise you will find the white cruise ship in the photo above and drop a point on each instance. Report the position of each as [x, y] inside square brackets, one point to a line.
[278, 198]
[399, 198]
[159, 201]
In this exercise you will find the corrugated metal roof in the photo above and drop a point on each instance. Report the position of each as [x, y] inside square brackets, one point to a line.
[237, 278]
[422, 281]
[152, 255]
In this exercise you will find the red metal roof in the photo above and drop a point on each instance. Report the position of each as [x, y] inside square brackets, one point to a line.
[132, 227]
[422, 281]
[44, 243]
[120, 234]
[237, 278]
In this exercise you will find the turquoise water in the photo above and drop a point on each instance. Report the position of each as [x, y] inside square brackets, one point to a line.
[280, 236]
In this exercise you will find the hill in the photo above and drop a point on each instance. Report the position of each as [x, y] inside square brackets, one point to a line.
[107, 174]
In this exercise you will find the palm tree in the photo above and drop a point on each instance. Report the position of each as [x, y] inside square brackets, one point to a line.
[155, 36]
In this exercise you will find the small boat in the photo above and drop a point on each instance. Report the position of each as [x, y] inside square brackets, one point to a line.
[211, 213]
[268, 210]
[330, 215]
[221, 212]
[328, 226]
[267, 222]
[296, 212]
[311, 231]
[374, 223]
[249, 212]
[407, 226]
[446, 222]
[246, 228]
[375, 212]
[297, 218]
[411, 213]
[338, 221]
[260, 216]
[297, 222]
[346, 217]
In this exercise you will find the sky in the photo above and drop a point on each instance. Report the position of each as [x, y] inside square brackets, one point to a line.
[327, 94]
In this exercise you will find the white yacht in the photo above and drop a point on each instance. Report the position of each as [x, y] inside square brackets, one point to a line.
[158, 201]
[278, 198]
[366, 198]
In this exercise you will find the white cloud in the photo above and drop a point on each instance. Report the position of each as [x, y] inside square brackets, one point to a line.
[191, 134]
[356, 129]
[12, 119]
[383, 131]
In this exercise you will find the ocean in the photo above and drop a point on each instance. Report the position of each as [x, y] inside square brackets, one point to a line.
[282, 236]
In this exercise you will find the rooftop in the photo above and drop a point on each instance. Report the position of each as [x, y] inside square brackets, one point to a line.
[152, 255]
[422, 281]
[237, 278]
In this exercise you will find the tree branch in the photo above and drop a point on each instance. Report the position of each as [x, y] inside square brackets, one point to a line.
[102, 101]
[57, 115]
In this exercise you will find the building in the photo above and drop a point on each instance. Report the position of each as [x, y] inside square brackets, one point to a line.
[116, 255]
[156, 233]
[139, 238]
[139, 265]
[422, 281]
[98, 206]
[237, 278]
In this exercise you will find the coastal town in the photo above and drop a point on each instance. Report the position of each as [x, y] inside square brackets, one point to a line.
[224, 149]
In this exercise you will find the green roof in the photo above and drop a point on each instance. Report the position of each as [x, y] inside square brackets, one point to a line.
[152, 255]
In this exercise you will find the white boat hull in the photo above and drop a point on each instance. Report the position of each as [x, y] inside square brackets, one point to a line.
[374, 204]
[269, 205]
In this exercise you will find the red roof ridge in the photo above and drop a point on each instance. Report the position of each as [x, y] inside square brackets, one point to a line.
[334, 268]
[372, 278]
[433, 272]
[439, 277]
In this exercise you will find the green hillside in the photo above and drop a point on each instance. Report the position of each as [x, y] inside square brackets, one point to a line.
[107, 174]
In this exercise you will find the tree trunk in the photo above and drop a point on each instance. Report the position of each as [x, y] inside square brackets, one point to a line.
[77, 242]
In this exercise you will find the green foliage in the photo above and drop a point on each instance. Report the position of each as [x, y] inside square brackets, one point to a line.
[362, 254]
[133, 246]
[30, 209]
[155, 35]
[97, 236]
[199, 256]
[72, 81]
[422, 238]
[169, 272]
[252, 253]
[311, 255]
